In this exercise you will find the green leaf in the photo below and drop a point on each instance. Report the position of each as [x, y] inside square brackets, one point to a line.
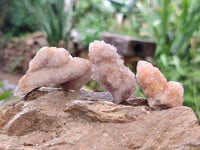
[16, 62]
[5, 95]
[53, 19]
[177, 63]
[1, 83]
[164, 60]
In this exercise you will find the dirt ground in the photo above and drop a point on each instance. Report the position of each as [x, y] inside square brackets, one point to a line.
[11, 78]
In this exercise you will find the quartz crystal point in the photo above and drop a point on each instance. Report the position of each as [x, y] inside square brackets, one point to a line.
[159, 92]
[54, 66]
[109, 70]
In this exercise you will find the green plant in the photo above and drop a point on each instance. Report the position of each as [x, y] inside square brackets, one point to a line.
[90, 12]
[175, 27]
[138, 92]
[187, 73]
[94, 85]
[4, 5]
[16, 62]
[52, 18]
[124, 18]
[15, 20]
[86, 37]
[171, 24]
[197, 104]
[92, 17]
[5, 94]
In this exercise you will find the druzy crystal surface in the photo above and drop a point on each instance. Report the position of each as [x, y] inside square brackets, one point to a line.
[54, 66]
[109, 70]
[155, 87]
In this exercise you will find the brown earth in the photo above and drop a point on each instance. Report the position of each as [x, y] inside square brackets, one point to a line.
[16, 54]
[12, 78]
[57, 119]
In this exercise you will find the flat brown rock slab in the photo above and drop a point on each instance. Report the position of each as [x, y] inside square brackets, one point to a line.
[80, 120]
[130, 46]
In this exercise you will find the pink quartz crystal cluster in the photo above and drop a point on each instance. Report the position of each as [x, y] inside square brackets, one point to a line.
[109, 70]
[56, 67]
[155, 87]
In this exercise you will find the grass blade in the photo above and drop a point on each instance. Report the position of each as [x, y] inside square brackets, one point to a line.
[5, 95]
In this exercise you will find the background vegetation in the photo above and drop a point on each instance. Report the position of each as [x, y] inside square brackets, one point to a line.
[4, 94]
[173, 25]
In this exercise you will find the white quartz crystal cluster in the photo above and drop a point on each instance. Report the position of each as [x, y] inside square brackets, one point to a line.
[56, 67]
[109, 70]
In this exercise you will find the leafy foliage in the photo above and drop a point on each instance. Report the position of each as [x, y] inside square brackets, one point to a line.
[171, 24]
[5, 94]
[87, 37]
[91, 18]
[16, 62]
[186, 72]
[15, 19]
[53, 19]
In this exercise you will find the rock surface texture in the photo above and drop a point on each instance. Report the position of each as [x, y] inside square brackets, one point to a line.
[80, 120]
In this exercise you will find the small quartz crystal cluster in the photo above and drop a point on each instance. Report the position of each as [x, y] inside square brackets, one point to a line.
[56, 67]
[155, 87]
[52, 67]
[109, 70]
